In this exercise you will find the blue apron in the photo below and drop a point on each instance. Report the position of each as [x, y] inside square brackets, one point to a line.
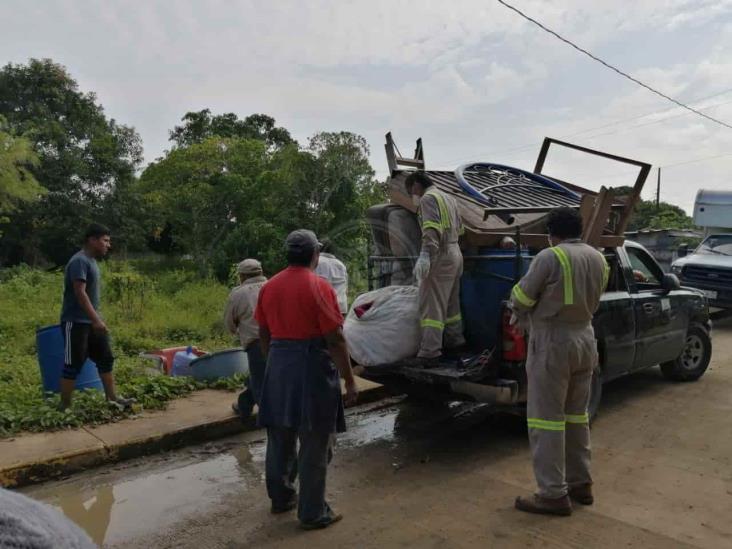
[301, 388]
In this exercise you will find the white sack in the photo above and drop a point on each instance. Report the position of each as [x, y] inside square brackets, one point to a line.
[389, 331]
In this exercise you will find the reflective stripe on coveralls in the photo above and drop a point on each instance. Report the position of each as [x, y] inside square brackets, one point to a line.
[522, 297]
[444, 216]
[566, 274]
[453, 319]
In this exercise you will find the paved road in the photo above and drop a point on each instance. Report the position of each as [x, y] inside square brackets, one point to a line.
[444, 477]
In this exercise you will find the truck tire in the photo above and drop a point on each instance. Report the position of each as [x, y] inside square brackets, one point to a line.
[693, 360]
[595, 395]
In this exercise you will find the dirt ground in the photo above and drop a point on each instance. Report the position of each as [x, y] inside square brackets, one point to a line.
[412, 476]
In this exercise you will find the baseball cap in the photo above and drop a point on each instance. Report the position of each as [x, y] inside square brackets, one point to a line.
[302, 241]
[249, 266]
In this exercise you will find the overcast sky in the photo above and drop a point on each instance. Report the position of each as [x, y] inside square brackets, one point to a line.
[474, 80]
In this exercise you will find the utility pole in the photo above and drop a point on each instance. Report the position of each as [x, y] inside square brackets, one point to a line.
[658, 189]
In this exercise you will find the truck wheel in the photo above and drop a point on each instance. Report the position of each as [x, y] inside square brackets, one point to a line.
[693, 360]
[595, 395]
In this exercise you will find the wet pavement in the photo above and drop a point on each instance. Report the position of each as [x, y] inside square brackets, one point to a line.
[410, 474]
[150, 494]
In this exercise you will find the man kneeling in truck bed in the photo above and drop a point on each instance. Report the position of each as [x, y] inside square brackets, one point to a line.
[558, 296]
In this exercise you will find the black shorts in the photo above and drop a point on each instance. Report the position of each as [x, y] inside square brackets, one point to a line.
[80, 343]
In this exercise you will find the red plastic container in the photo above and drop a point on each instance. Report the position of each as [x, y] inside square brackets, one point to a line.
[514, 342]
[164, 357]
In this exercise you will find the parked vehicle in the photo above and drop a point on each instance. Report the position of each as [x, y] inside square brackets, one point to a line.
[645, 319]
[709, 267]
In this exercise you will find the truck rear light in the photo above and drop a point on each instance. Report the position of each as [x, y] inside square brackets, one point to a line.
[514, 342]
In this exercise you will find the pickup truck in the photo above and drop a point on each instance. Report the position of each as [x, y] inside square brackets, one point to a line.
[645, 318]
[709, 269]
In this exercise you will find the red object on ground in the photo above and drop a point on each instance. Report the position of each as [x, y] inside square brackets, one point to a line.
[514, 342]
[361, 309]
[165, 356]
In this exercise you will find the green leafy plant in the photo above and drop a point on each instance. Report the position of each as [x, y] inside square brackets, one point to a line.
[154, 316]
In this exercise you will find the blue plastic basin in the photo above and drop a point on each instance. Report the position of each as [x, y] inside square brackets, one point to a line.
[220, 364]
[50, 346]
[481, 294]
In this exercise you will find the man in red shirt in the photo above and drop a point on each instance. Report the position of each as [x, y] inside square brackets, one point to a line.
[300, 329]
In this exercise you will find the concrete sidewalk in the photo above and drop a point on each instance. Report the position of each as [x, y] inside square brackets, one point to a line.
[204, 415]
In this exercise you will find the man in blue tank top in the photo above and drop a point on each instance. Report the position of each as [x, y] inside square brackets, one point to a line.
[85, 333]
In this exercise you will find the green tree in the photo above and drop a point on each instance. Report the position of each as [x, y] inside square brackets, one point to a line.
[664, 216]
[224, 199]
[201, 125]
[204, 191]
[17, 183]
[84, 159]
[647, 215]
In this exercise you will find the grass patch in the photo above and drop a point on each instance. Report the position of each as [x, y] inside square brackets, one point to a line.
[144, 309]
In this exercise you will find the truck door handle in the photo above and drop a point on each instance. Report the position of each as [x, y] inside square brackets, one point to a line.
[649, 308]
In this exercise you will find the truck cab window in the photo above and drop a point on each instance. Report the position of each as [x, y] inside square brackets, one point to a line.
[615, 281]
[646, 272]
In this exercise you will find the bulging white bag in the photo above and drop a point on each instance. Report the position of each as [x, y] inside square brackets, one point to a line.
[389, 330]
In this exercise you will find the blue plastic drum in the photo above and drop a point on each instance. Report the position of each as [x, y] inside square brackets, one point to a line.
[481, 293]
[50, 346]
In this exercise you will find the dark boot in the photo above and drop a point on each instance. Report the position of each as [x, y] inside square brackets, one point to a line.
[422, 362]
[582, 494]
[544, 506]
[284, 507]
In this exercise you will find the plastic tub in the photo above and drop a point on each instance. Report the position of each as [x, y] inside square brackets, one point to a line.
[50, 346]
[482, 291]
[220, 364]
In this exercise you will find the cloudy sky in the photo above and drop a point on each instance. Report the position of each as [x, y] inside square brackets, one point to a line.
[474, 80]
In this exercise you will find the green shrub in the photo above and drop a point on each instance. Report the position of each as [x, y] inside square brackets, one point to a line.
[145, 308]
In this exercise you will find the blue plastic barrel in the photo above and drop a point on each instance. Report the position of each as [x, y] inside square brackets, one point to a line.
[481, 293]
[50, 346]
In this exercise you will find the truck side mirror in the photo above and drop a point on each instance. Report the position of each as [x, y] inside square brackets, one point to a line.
[683, 251]
[670, 282]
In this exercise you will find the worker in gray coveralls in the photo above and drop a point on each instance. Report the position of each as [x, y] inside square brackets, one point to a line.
[437, 271]
[556, 300]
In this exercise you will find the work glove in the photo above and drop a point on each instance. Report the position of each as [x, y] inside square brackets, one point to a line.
[422, 267]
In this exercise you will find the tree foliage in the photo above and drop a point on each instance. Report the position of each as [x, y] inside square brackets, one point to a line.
[228, 198]
[17, 183]
[84, 158]
[201, 125]
[647, 215]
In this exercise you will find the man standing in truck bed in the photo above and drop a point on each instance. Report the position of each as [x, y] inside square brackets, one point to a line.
[437, 270]
[558, 297]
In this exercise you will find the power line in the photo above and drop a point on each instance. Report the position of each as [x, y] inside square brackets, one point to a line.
[613, 68]
[610, 124]
[683, 163]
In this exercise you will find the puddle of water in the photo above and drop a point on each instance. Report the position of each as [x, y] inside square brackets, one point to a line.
[152, 494]
[117, 510]
[369, 428]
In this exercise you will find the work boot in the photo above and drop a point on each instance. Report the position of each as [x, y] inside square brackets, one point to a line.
[327, 520]
[280, 508]
[582, 494]
[457, 351]
[422, 362]
[244, 406]
[544, 506]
